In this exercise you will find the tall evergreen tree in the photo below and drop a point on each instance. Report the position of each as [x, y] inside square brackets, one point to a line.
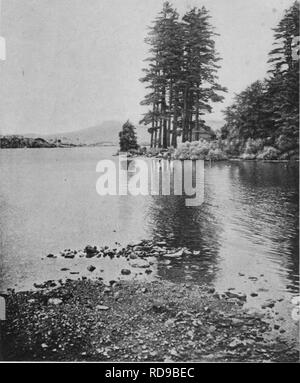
[181, 75]
[269, 110]
[127, 137]
[284, 81]
[164, 64]
[200, 67]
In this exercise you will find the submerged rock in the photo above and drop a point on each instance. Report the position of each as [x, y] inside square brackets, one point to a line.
[140, 263]
[125, 272]
[69, 255]
[177, 254]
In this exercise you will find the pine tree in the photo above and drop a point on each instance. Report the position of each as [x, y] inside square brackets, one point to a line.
[249, 116]
[128, 139]
[181, 75]
[200, 67]
[162, 72]
[269, 110]
[284, 81]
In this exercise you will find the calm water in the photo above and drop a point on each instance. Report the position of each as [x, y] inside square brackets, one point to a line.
[247, 225]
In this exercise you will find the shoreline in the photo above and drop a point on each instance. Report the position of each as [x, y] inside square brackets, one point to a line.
[133, 321]
[160, 157]
[129, 320]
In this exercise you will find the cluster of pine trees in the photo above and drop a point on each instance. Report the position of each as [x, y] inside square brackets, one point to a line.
[181, 75]
[268, 110]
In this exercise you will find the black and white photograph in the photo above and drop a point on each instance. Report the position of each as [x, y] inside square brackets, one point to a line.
[149, 183]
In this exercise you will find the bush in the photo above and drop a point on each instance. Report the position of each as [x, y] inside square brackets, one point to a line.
[290, 155]
[233, 147]
[248, 156]
[253, 146]
[284, 143]
[199, 150]
[268, 153]
[216, 155]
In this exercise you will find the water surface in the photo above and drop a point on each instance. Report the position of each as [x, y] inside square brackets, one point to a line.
[246, 230]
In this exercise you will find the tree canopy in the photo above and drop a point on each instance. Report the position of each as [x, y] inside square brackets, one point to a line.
[269, 109]
[181, 75]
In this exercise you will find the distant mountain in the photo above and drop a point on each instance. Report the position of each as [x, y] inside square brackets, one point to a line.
[107, 133]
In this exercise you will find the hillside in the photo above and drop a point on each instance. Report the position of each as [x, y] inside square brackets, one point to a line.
[106, 133]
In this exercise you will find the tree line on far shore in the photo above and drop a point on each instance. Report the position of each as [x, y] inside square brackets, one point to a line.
[264, 118]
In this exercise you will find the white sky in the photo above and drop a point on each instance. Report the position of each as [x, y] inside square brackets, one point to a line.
[72, 64]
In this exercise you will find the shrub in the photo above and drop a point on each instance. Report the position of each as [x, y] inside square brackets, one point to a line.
[153, 151]
[216, 155]
[199, 150]
[285, 143]
[233, 147]
[248, 156]
[253, 146]
[268, 153]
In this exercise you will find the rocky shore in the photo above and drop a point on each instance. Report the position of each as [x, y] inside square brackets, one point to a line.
[129, 320]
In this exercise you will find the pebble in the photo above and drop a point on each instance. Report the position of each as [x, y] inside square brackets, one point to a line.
[54, 301]
[102, 308]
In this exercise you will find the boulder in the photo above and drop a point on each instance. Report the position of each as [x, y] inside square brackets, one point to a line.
[90, 251]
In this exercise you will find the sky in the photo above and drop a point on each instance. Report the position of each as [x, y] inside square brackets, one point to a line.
[72, 64]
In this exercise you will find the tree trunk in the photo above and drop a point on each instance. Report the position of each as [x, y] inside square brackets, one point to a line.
[170, 114]
[174, 134]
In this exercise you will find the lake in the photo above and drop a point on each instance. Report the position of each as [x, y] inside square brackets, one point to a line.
[246, 230]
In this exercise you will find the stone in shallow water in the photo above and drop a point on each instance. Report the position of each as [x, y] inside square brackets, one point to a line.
[174, 255]
[125, 272]
[69, 255]
[141, 263]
